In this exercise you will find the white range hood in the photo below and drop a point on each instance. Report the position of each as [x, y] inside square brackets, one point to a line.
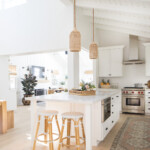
[133, 52]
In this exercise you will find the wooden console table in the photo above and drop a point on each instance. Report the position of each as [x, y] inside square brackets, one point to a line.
[3, 117]
[6, 118]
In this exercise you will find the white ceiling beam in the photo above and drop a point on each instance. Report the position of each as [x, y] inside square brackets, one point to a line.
[123, 30]
[67, 2]
[128, 6]
[124, 17]
[122, 25]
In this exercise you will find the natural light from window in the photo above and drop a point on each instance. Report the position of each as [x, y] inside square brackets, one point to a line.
[5, 4]
[86, 67]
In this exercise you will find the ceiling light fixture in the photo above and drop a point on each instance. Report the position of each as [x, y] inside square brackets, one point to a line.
[75, 36]
[93, 49]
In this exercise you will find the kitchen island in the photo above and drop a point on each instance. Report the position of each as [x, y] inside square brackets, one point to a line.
[89, 105]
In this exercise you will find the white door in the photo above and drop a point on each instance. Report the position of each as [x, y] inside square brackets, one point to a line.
[104, 63]
[116, 58]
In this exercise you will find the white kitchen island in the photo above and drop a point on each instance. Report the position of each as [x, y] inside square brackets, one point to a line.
[89, 105]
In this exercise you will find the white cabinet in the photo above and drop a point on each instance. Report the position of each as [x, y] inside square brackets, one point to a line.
[104, 63]
[147, 101]
[110, 61]
[115, 114]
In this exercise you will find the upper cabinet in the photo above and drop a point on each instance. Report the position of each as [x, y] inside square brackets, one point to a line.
[147, 59]
[110, 61]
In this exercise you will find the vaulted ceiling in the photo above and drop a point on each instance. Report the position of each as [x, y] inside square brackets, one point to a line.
[126, 16]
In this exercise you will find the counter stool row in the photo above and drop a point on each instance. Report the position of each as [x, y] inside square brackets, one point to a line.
[48, 116]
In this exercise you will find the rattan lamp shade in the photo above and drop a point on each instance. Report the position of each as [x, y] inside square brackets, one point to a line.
[75, 41]
[75, 36]
[93, 49]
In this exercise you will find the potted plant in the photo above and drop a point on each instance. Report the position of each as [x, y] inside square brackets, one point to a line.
[87, 86]
[29, 82]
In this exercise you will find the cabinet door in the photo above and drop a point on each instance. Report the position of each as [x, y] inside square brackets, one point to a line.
[147, 59]
[104, 63]
[116, 58]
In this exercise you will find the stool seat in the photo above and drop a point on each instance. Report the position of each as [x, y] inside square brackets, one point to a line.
[72, 115]
[48, 115]
[76, 118]
[47, 112]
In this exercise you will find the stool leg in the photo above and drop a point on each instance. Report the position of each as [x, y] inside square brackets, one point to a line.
[36, 134]
[57, 124]
[46, 129]
[50, 134]
[61, 134]
[83, 132]
[68, 131]
[76, 123]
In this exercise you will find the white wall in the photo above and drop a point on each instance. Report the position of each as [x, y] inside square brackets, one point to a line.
[36, 25]
[131, 73]
[5, 92]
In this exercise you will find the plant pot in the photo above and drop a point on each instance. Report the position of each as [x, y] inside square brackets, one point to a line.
[24, 101]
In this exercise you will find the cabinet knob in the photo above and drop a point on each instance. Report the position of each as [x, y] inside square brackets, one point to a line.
[112, 105]
[117, 96]
[112, 112]
[106, 129]
[112, 121]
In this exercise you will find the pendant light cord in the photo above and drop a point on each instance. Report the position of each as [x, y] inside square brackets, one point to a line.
[75, 14]
[93, 24]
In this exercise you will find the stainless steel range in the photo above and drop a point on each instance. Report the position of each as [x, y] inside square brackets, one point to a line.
[133, 100]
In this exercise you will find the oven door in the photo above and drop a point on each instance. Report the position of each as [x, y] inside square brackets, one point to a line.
[106, 109]
[133, 104]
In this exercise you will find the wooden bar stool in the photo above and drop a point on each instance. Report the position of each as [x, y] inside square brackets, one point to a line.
[48, 116]
[76, 117]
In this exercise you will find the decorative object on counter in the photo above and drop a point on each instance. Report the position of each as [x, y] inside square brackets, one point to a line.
[148, 84]
[134, 134]
[28, 83]
[104, 84]
[50, 91]
[93, 46]
[75, 36]
[87, 86]
[85, 90]
[66, 90]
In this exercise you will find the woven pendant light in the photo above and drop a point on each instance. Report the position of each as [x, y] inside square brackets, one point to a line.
[93, 49]
[75, 36]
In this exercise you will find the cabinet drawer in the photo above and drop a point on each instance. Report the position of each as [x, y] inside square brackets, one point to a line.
[147, 93]
[147, 109]
[105, 128]
[147, 99]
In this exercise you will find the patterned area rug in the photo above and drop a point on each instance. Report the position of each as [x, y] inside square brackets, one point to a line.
[133, 135]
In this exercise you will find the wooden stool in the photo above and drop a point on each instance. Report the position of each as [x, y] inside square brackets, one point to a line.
[76, 117]
[48, 115]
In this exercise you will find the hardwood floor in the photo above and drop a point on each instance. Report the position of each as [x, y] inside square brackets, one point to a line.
[19, 137]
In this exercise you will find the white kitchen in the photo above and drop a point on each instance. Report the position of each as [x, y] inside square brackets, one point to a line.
[103, 49]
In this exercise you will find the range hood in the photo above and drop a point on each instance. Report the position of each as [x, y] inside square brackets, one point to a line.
[133, 52]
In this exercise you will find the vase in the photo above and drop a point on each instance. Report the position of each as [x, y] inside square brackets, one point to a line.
[24, 101]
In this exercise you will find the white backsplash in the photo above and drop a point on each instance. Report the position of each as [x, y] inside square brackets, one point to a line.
[131, 74]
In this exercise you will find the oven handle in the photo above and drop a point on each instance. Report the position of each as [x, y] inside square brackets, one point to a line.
[102, 113]
[133, 96]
